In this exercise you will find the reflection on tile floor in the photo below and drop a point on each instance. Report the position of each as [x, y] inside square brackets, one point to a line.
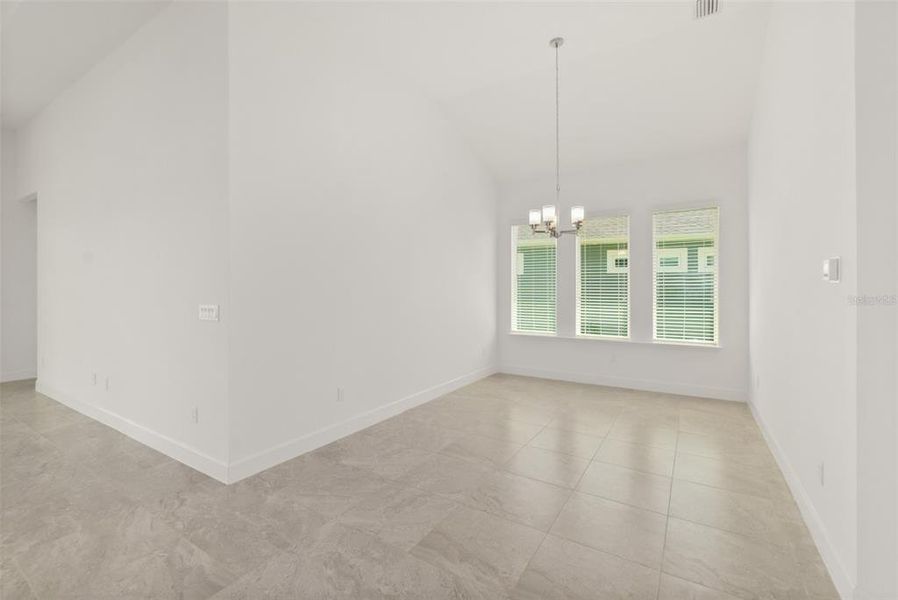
[509, 488]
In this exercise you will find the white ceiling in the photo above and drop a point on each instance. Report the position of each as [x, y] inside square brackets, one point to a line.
[637, 78]
[686, 88]
[48, 45]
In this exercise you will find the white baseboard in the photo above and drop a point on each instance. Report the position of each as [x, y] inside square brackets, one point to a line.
[648, 385]
[838, 573]
[180, 452]
[8, 376]
[266, 459]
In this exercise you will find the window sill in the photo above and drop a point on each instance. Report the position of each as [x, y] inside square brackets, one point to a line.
[598, 338]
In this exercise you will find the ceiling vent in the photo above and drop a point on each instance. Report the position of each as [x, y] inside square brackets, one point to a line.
[704, 8]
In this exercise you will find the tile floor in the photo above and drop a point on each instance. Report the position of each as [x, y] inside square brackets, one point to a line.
[509, 488]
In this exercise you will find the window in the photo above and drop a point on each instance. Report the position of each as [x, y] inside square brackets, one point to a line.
[685, 273]
[533, 281]
[603, 277]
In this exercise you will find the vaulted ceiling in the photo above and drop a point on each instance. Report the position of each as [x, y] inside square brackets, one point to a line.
[637, 78]
[48, 45]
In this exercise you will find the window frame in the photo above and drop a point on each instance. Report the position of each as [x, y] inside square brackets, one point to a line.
[514, 287]
[578, 288]
[716, 343]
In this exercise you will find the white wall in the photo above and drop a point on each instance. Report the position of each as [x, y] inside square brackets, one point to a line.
[876, 88]
[18, 305]
[362, 238]
[802, 209]
[715, 177]
[130, 167]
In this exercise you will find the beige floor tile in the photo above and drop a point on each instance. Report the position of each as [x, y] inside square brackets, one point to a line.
[446, 475]
[200, 516]
[721, 407]
[48, 416]
[504, 410]
[625, 531]
[479, 547]
[662, 436]
[510, 431]
[739, 565]
[158, 487]
[90, 442]
[648, 417]
[754, 516]
[348, 563]
[764, 481]
[86, 512]
[565, 570]
[595, 424]
[639, 457]
[178, 571]
[13, 585]
[331, 488]
[812, 571]
[281, 518]
[401, 517]
[414, 434]
[674, 588]
[723, 446]
[44, 478]
[567, 442]
[111, 555]
[517, 498]
[559, 469]
[740, 426]
[28, 524]
[644, 490]
[382, 456]
[478, 448]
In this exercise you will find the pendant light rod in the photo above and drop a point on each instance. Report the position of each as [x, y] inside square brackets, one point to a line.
[546, 220]
[557, 43]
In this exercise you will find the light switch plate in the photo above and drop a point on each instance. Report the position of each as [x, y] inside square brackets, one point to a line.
[831, 269]
[208, 312]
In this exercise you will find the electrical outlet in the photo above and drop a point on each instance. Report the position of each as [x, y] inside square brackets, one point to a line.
[107, 384]
[195, 415]
[822, 471]
[339, 394]
[95, 379]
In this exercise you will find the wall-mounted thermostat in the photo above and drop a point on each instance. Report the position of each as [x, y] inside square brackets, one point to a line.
[831, 270]
[208, 312]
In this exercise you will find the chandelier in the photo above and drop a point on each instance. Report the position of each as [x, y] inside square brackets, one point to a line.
[546, 220]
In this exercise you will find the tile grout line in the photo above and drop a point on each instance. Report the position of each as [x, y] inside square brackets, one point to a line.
[551, 525]
[667, 517]
[571, 495]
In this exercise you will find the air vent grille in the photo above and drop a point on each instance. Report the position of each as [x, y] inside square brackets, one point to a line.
[704, 8]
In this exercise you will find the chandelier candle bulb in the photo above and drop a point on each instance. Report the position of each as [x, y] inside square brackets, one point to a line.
[535, 216]
[577, 214]
[549, 213]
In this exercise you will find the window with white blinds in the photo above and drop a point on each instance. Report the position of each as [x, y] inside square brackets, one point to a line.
[685, 275]
[533, 281]
[603, 277]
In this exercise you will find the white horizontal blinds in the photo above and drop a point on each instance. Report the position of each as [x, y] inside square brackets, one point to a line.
[533, 288]
[685, 270]
[603, 277]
